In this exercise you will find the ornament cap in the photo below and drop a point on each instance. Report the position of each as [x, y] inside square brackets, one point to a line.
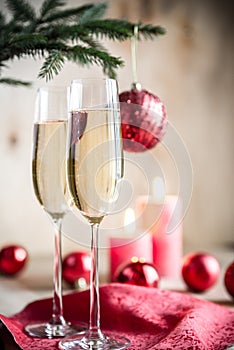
[136, 86]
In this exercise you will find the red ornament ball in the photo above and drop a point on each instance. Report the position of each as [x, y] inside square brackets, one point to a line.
[76, 268]
[200, 271]
[12, 259]
[143, 119]
[138, 272]
[229, 279]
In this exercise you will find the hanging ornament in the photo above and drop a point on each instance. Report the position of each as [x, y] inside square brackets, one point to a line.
[138, 272]
[12, 259]
[229, 279]
[143, 114]
[200, 271]
[76, 268]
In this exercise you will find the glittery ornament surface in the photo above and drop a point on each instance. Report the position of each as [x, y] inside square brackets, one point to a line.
[143, 119]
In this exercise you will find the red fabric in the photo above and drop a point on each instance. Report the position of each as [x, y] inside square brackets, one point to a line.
[149, 317]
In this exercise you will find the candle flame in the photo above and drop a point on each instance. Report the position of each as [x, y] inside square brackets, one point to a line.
[158, 189]
[129, 220]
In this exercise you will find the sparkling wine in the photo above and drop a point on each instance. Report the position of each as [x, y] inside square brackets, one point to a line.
[94, 168]
[48, 165]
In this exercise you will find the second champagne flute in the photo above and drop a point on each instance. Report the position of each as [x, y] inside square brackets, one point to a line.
[49, 181]
[95, 168]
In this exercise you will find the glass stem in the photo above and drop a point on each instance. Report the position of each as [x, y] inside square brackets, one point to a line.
[94, 323]
[57, 308]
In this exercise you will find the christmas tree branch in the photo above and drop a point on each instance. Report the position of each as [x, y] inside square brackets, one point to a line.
[49, 6]
[73, 14]
[59, 35]
[80, 55]
[14, 82]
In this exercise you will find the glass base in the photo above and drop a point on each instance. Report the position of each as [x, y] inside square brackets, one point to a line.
[47, 330]
[108, 342]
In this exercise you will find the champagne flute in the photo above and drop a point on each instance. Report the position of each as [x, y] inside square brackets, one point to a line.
[49, 181]
[94, 170]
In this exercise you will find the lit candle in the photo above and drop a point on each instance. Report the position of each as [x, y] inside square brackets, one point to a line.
[129, 220]
[160, 215]
[123, 249]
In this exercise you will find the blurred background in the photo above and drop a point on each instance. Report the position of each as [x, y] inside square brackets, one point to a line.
[191, 69]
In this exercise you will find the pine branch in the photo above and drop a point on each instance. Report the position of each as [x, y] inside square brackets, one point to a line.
[2, 20]
[61, 35]
[9, 30]
[90, 42]
[149, 31]
[21, 10]
[66, 33]
[14, 82]
[109, 28]
[67, 15]
[48, 6]
[87, 56]
[52, 65]
[83, 56]
[39, 50]
[116, 29]
[95, 12]
[23, 44]
[28, 41]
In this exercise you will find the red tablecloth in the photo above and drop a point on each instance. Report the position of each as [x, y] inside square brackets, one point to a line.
[150, 318]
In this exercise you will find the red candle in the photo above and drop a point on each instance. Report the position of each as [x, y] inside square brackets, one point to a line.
[163, 221]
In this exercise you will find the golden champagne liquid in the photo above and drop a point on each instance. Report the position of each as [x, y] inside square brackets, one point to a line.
[48, 165]
[94, 162]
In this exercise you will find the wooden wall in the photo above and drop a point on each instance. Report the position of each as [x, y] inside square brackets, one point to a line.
[191, 69]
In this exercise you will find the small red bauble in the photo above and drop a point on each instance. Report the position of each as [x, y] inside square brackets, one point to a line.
[200, 271]
[143, 119]
[12, 259]
[229, 279]
[76, 268]
[138, 272]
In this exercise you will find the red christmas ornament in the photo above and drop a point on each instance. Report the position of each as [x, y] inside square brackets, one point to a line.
[200, 271]
[76, 268]
[12, 259]
[229, 279]
[138, 272]
[143, 119]
[143, 115]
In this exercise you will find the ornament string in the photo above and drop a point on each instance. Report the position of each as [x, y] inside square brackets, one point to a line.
[134, 41]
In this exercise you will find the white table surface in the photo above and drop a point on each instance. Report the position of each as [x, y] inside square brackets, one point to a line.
[35, 282]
